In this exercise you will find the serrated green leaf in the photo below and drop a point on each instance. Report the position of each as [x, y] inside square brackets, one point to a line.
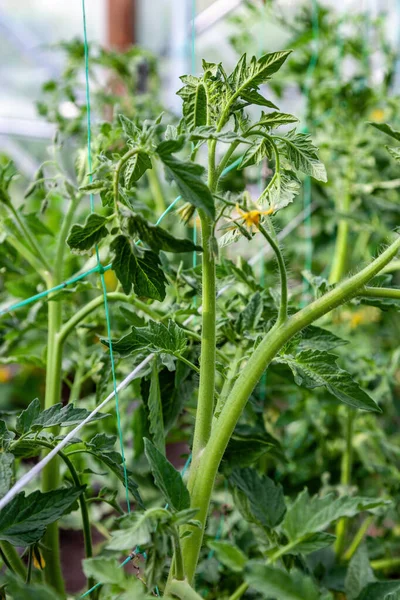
[256, 153]
[312, 368]
[250, 316]
[156, 422]
[253, 97]
[229, 555]
[137, 528]
[385, 128]
[313, 542]
[394, 152]
[168, 480]
[266, 499]
[382, 590]
[155, 337]
[157, 238]
[281, 191]
[18, 589]
[247, 445]
[24, 520]
[6, 472]
[27, 417]
[194, 98]
[359, 573]
[6, 436]
[274, 119]
[100, 447]
[63, 416]
[188, 178]
[83, 238]
[136, 167]
[272, 582]
[247, 77]
[317, 338]
[142, 272]
[104, 569]
[303, 155]
[310, 515]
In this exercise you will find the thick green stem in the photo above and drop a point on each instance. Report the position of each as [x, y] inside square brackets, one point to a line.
[345, 480]
[13, 559]
[282, 315]
[205, 403]
[201, 479]
[340, 255]
[51, 473]
[182, 590]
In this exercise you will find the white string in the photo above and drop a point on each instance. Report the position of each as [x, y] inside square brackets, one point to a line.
[37, 469]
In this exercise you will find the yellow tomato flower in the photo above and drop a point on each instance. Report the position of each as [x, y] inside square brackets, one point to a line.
[252, 217]
[377, 115]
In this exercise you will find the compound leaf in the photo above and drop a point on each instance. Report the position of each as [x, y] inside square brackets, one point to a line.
[155, 337]
[157, 238]
[303, 155]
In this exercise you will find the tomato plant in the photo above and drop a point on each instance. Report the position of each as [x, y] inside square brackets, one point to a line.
[204, 336]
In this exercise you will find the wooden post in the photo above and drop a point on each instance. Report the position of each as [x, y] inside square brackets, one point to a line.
[121, 24]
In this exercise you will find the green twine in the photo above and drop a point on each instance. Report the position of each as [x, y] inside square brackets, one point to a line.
[100, 268]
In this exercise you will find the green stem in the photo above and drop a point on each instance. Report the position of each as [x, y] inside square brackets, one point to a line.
[156, 190]
[13, 559]
[205, 403]
[70, 325]
[51, 473]
[178, 559]
[393, 266]
[347, 461]
[182, 590]
[341, 252]
[358, 538]
[385, 564]
[239, 592]
[282, 315]
[28, 256]
[201, 479]
[379, 292]
[226, 388]
[187, 362]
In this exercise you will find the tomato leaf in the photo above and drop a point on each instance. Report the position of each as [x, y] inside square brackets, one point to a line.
[157, 238]
[229, 555]
[155, 337]
[136, 167]
[6, 472]
[280, 585]
[168, 480]
[359, 573]
[313, 368]
[24, 520]
[302, 154]
[188, 178]
[142, 272]
[83, 238]
[265, 498]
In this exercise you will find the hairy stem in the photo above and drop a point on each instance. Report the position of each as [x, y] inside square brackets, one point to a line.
[51, 473]
[282, 315]
[201, 480]
[205, 403]
[340, 254]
